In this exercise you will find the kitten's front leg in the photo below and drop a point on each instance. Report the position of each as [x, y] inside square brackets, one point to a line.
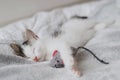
[76, 69]
[69, 61]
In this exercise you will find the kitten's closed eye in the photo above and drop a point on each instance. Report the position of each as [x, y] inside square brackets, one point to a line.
[26, 42]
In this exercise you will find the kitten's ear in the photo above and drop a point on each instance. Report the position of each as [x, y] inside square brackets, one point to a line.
[30, 35]
[17, 49]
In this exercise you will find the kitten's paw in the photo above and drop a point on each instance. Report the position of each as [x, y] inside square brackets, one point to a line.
[76, 71]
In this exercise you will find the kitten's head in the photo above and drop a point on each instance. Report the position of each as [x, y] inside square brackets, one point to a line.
[32, 48]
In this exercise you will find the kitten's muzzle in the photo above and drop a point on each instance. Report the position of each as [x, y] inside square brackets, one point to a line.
[36, 59]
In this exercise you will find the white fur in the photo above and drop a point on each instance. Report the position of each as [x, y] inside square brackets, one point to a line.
[75, 33]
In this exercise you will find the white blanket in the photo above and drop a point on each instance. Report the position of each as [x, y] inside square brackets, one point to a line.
[105, 44]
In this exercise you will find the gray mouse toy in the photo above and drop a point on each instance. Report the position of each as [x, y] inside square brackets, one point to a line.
[56, 62]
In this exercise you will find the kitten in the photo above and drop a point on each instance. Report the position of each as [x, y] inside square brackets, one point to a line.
[75, 33]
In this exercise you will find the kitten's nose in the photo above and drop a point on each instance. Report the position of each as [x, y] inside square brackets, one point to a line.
[36, 59]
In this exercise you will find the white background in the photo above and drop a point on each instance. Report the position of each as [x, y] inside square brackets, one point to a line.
[12, 10]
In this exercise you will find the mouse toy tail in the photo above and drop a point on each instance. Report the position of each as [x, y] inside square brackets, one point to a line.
[102, 61]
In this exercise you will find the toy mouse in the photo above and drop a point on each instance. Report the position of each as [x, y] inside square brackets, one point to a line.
[56, 62]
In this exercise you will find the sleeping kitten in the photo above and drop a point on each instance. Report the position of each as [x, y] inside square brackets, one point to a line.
[75, 33]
